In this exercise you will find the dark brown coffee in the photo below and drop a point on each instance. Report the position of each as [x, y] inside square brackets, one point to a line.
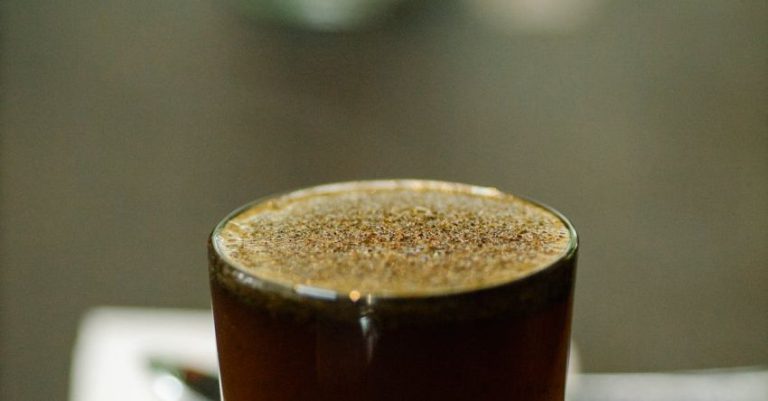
[393, 290]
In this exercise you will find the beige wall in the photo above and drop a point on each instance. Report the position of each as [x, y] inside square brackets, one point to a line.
[130, 127]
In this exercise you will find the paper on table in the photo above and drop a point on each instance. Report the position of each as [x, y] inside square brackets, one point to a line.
[115, 346]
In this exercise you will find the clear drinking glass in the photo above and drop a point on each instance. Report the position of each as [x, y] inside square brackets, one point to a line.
[507, 342]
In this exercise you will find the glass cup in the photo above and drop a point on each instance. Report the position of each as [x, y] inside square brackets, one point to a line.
[507, 342]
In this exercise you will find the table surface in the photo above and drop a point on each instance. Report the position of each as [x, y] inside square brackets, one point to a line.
[115, 347]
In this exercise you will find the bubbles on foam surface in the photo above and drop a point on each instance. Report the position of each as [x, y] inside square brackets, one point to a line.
[393, 238]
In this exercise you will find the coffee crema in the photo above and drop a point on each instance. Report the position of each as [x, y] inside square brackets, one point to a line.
[393, 238]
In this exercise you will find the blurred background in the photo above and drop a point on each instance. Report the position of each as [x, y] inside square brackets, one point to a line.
[129, 128]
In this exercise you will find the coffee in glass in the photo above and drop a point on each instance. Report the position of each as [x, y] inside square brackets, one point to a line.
[393, 290]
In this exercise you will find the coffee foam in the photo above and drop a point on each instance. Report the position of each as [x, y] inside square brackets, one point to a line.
[393, 238]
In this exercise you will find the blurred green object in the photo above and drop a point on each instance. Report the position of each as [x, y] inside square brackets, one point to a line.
[321, 15]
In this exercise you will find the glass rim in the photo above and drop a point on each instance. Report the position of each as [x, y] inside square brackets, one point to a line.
[247, 280]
